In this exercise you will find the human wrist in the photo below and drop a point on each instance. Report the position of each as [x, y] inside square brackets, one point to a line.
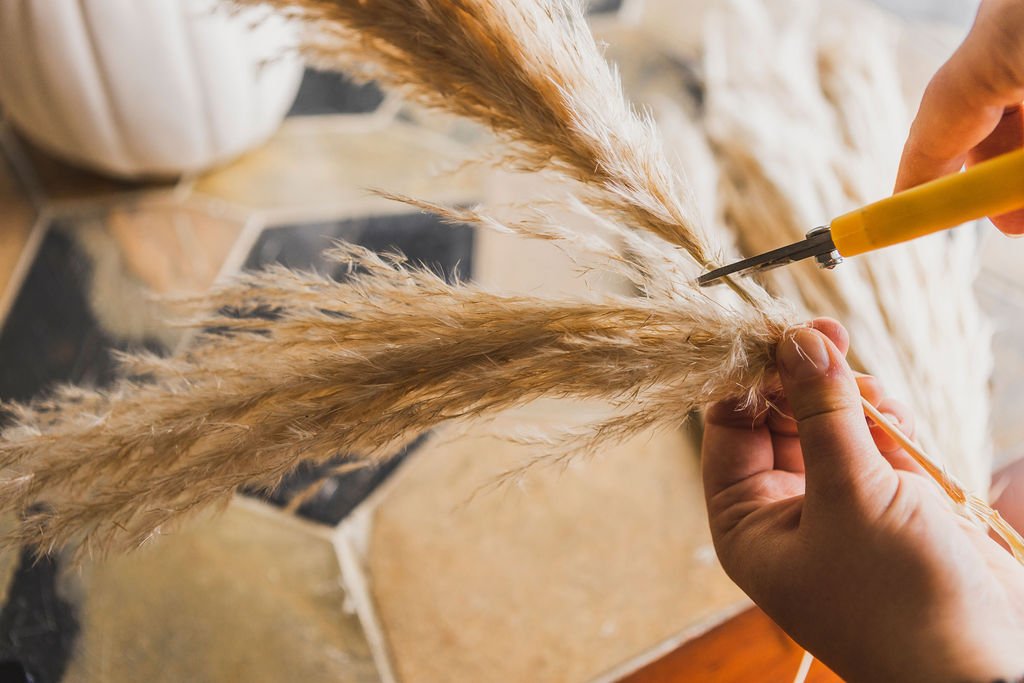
[988, 663]
[995, 659]
[937, 670]
[936, 655]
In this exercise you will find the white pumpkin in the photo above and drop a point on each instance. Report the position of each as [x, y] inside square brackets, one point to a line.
[144, 87]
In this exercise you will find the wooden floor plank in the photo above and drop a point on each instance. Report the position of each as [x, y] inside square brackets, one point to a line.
[746, 649]
[17, 219]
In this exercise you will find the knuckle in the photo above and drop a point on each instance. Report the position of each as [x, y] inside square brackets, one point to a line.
[1000, 82]
[826, 407]
[996, 55]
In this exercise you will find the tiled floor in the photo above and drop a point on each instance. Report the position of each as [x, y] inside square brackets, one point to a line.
[250, 595]
[381, 574]
[541, 580]
[80, 283]
[314, 169]
[391, 574]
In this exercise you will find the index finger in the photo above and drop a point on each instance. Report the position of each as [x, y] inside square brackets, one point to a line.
[963, 105]
[958, 112]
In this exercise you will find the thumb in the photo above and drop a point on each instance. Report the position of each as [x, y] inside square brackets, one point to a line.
[840, 458]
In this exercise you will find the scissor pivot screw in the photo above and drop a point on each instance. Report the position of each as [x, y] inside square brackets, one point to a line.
[830, 260]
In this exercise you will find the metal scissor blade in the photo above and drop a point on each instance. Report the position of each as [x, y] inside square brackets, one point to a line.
[818, 245]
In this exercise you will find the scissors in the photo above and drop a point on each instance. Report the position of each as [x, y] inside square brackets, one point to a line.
[991, 188]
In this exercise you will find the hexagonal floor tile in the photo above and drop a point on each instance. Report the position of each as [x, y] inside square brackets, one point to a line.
[561, 579]
[251, 595]
[512, 263]
[52, 334]
[603, 6]
[318, 168]
[424, 239]
[38, 625]
[326, 92]
[90, 289]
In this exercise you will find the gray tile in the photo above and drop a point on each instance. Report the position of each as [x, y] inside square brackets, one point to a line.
[38, 625]
[325, 92]
[423, 239]
[603, 6]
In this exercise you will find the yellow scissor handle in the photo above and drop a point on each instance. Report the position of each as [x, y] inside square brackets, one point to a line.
[991, 188]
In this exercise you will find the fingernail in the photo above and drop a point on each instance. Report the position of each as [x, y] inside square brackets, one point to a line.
[803, 355]
[893, 420]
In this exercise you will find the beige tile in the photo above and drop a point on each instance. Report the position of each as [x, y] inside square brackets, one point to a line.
[327, 164]
[172, 248]
[252, 595]
[511, 263]
[562, 578]
[677, 27]
[140, 251]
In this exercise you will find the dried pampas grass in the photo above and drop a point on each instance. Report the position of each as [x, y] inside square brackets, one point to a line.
[295, 367]
[291, 367]
[365, 365]
[529, 71]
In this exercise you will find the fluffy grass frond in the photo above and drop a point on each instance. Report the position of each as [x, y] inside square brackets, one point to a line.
[532, 73]
[296, 367]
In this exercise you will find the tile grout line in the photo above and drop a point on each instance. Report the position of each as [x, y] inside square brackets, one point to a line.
[351, 538]
[40, 227]
[252, 227]
[357, 585]
[354, 209]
